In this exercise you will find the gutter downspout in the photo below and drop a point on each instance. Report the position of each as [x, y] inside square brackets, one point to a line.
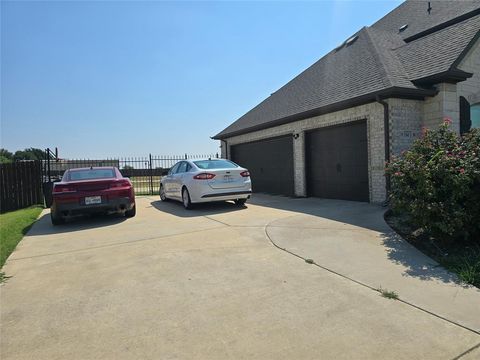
[226, 148]
[386, 130]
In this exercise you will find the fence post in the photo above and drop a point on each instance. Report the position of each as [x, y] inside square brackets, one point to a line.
[48, 164]
[151, 174]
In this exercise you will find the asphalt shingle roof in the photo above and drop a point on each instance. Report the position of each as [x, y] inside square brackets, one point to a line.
[377, 60]
[414, 13]
[436, 52]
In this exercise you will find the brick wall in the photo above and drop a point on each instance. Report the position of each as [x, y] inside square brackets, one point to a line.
[405, 123]
[372, 112]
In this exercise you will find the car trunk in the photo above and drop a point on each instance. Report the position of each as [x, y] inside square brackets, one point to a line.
[226, 178]
[92, 185]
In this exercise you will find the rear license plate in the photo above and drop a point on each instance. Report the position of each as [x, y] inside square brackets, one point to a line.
[91, 200]
[228, 178]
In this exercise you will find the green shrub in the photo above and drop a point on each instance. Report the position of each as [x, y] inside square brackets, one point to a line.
[437, 182]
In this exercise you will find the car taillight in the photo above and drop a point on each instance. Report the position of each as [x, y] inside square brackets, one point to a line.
[245, 173]
[58, 189]
[204, 176]
[120, 183]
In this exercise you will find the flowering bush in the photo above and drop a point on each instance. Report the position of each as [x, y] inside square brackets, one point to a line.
[437, 182]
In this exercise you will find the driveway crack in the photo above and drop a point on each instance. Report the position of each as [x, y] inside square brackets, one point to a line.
[467, 352]
[218, 221]
[310, 261]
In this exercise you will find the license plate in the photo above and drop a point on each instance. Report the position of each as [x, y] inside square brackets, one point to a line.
[228, 178]
[90, 200]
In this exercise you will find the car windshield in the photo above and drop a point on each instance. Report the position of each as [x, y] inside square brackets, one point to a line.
[91, 174]
[215, 164]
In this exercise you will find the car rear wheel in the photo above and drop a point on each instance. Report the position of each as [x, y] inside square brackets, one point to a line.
[132, 212]
[163, 196]
[240, 202]
[187, 204]
[56, 219]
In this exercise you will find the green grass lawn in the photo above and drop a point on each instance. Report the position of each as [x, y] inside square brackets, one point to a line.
[13, 226]
[142, 184]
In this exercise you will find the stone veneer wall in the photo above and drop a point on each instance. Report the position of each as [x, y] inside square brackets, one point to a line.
[470, 88]
[372, 113]
[446, 103]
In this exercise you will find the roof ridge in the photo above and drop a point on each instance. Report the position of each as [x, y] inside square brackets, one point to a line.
[376, 55]
[443, 25]
[421, 22]
[465, 51]
[440, 31]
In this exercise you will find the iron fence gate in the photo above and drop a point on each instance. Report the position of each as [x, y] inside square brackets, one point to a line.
[144, 172]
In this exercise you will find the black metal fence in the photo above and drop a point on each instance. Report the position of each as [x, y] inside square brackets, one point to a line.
[144, 172]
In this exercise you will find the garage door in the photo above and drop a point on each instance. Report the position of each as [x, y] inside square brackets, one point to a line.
[270, 163]
[337, 162]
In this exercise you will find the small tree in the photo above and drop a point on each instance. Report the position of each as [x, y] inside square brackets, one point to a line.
[29, 154]
[437, 183]
[5, 156]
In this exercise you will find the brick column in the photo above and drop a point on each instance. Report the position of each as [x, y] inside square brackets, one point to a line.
[299, 164]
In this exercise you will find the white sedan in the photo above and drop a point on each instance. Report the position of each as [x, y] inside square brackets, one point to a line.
[198, 181]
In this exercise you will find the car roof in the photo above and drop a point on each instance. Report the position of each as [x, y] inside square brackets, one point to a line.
[213, 159]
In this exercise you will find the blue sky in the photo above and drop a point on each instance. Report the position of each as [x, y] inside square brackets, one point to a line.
[105, 79]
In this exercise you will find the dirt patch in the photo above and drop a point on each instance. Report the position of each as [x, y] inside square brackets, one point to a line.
[460, 257]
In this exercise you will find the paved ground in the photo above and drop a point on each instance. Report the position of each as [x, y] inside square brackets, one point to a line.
[210, 284]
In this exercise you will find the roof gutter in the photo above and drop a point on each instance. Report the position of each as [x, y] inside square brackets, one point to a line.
[222, 141]
[451, 76]
[402, 93]
[386, 133]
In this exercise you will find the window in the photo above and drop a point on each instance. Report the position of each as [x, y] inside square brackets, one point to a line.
[475, 115]
[215, 164]
[469, 115]
[465, 121]
[182, 168]
[91, 174]
[174, 169]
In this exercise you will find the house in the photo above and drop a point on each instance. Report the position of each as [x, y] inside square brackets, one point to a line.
[328, 132]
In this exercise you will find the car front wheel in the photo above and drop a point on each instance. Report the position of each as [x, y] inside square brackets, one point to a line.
[163, 196]
[187, 204]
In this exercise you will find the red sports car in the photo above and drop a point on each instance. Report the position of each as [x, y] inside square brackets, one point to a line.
[92, 190]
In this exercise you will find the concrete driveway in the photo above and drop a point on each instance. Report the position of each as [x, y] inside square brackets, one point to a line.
[222, 282]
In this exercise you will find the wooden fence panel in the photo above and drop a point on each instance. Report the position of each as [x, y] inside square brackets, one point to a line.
[20, 185]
